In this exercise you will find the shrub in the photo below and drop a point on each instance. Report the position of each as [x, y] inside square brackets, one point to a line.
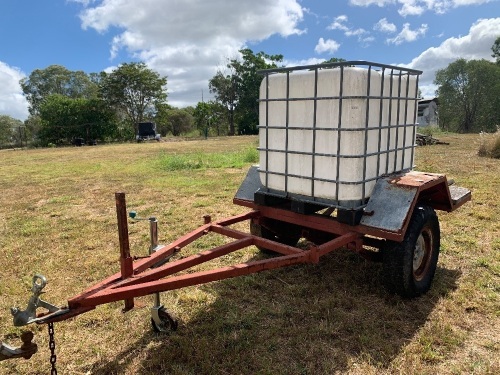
[251, 155]
[425, 130]
[489, 145]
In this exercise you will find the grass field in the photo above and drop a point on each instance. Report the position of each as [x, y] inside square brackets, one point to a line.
[57, 217]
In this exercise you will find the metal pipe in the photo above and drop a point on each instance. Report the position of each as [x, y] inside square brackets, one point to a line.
[126, 266]
[153, 234]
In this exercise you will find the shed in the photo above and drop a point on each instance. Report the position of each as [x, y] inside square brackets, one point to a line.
[428, 112]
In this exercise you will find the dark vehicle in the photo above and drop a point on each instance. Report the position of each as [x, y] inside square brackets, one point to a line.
[147, 132]
[78, 142]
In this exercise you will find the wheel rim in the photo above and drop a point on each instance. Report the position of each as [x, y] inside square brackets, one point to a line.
[422, 253]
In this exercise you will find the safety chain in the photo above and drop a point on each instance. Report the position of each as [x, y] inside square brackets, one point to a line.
[52, 347]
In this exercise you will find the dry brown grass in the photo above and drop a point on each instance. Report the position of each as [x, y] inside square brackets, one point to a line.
[57, 217]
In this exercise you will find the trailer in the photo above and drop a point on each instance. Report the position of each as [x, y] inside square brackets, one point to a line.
[146, 131]
[336, 171]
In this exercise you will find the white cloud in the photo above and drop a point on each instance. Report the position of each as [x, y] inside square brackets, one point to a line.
[458, 3]
[83, 2]
[413, 8]
[408, 35]
[187, 41]
[418, 7]
[473, 46]
[339, 23]
[12, 101]
[329, 45]
[356, 32]
[309, 61]
[363, 36]
[385, 26]
[365, 3]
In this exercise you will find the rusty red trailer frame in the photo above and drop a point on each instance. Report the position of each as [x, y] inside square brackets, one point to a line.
[143, 277]
[139, 279]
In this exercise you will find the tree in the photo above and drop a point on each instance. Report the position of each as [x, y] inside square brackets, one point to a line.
[210, 116]
[496, 50]
[239, 90]
[189, 109]
[180, 121]
[334, 60]
[202, 117]
[56, 79]
[161, 118]
[33, 125]
[63, 119]
[174, 120]
[469, 94]
[248, 85]
[10, 130]
[135, 90]
[224, 88]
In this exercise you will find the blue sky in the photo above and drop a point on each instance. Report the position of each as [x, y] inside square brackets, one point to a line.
[188, 40]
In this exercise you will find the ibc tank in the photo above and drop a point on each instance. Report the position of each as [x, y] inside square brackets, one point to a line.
[327, 132]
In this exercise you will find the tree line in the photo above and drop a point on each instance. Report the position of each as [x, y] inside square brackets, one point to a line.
[469, 94]
[64, 104]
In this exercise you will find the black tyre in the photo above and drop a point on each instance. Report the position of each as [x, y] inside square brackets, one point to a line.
[168, 322]
[285, 233]
[409, 266]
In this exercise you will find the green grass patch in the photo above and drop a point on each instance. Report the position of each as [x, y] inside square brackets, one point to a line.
[204, 160]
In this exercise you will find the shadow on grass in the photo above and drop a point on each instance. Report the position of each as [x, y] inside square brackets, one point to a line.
[312, 319]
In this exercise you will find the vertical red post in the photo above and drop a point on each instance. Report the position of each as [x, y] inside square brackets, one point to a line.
[126, 260]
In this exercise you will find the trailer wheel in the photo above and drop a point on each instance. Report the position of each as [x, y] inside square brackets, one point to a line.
[409, 266]
[167, 322]
[274, 230]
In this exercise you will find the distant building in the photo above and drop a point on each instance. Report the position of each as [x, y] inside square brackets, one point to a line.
[428, 112]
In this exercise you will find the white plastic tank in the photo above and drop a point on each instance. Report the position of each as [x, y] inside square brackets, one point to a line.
[328, 134]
